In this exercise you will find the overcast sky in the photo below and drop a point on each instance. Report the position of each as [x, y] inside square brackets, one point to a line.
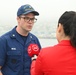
[48, 9]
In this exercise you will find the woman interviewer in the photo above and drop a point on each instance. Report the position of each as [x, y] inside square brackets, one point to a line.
[61, 58]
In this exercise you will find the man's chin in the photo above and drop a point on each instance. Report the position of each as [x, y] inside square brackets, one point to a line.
[29, 30]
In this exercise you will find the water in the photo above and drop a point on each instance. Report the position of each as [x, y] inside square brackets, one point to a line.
[45, 29]
[48, 42]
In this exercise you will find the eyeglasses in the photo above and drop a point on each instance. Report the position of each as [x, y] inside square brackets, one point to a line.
[27, 19]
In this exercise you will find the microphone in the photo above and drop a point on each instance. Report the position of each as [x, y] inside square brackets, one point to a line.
[33, 51]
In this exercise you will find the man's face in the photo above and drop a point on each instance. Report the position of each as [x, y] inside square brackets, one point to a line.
[26, 22]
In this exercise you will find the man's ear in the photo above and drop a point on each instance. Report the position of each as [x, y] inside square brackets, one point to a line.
[18, 19]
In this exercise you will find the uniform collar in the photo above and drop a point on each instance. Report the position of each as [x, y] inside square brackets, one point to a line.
[15, 35]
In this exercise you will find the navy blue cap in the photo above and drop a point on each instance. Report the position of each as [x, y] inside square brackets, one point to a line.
[25, 9]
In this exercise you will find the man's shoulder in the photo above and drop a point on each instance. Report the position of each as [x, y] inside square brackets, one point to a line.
[7, 34]
[4, 37]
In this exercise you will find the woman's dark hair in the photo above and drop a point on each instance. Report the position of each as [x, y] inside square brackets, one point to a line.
[68, 20]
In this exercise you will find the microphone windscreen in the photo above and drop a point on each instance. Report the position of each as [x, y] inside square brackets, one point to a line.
[33, 49]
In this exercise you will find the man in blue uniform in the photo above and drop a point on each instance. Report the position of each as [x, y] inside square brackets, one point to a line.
[14, 59]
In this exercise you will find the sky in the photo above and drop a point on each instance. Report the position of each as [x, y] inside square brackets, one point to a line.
[49, 10]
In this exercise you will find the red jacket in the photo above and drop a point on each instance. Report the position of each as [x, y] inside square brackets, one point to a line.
[32, 71]
[57, 60]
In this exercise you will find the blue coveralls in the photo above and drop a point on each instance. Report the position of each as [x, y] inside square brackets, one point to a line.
[14, 58]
